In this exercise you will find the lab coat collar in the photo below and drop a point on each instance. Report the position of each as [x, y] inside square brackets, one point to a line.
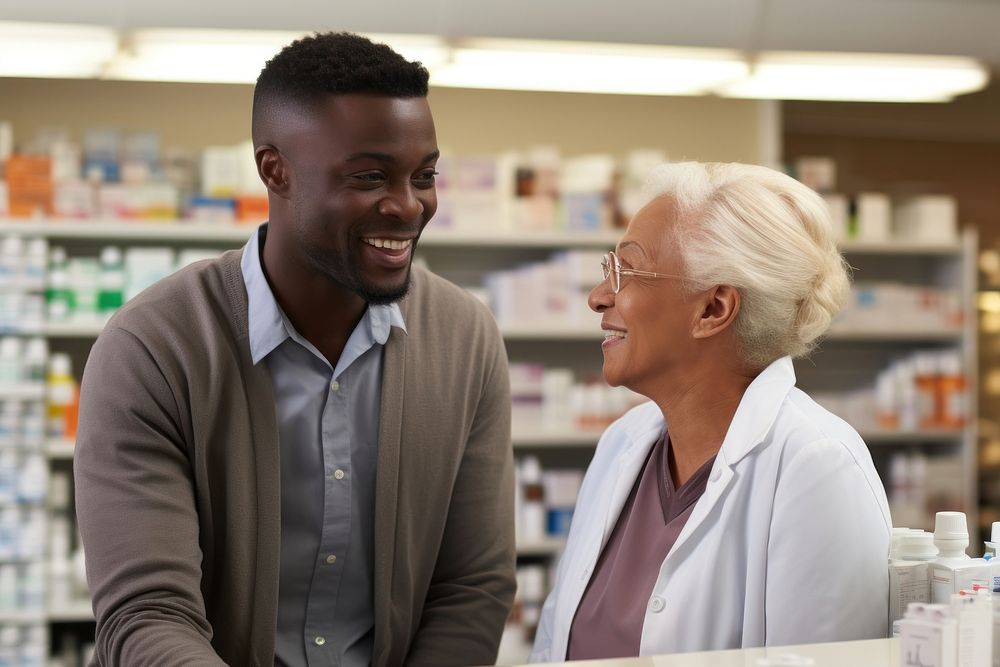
[753, 420]
[757, 410]
[750, 425]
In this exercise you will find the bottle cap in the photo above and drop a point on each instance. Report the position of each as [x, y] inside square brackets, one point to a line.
[111, 256]
[531, 470]
[995, 534]
[60, 364]
[951, 527]
[917, 546]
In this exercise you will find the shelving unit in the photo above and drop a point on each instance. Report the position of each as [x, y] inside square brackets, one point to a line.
[851, 358]
[944, 265]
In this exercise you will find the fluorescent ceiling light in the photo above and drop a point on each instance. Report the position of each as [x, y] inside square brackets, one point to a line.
[199, 56]
[235, 56]
[859, 77]
[428, 50]
[54, 49]
[587, 67]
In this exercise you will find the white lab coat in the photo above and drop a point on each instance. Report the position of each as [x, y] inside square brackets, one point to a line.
[788, 544]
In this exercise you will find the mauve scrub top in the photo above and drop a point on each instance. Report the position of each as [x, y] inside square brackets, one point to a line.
[608, 622]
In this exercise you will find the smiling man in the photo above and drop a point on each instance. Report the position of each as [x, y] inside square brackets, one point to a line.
[299, 453]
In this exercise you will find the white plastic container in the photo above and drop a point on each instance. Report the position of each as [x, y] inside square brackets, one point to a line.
[929, 636]
[909, 573]
[953, 570]
[975, 628]
[993, 545]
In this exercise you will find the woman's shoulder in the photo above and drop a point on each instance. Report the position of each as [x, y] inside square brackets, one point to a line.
[811, 438]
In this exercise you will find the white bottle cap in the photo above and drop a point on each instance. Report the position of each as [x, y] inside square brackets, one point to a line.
[995, 534]
[897, 533]
[38, 348]
[111, 256]
[38, 247]
[917, 545]
[12, 245]
[951, 531]
[531, 470]
[10, 347]
[60, 364]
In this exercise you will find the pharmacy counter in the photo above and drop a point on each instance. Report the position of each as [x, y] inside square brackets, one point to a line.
[870, 653]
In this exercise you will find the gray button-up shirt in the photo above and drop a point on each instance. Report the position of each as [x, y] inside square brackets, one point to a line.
[328, 427]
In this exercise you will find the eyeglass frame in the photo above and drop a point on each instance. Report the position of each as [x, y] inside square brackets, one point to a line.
[611, 265]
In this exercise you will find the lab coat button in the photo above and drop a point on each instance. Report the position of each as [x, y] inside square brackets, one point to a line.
[656, 604]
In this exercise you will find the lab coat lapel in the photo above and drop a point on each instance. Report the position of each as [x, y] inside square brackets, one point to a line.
[752, 422]
[628, 469]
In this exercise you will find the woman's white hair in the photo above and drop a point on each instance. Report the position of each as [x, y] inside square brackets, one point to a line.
[768, 236]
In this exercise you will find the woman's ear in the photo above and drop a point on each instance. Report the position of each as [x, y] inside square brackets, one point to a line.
[273, 170]
[719, 307]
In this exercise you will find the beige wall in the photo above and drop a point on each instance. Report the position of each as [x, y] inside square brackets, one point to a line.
[468, 121]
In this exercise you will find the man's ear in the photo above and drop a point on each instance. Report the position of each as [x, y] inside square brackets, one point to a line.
[273, 170]
[719, 307]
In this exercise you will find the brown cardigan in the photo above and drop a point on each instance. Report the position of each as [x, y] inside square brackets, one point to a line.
[177, 480]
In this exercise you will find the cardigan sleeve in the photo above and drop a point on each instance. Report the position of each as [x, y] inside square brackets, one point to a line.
[136, 508]
[473, 583]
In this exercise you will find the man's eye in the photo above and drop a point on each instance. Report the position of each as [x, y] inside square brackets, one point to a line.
[426, 175]
[370, 177]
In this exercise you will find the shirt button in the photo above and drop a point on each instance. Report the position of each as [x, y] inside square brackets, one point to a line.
[334, 386]
[656, 604]
[320, 641]
[338, 474]
[331, 559]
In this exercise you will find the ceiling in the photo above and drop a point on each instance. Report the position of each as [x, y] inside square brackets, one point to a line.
[955, 27]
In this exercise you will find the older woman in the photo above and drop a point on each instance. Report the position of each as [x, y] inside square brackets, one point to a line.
[730, 510]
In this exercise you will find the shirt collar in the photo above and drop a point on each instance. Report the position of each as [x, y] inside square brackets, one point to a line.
[268, 326]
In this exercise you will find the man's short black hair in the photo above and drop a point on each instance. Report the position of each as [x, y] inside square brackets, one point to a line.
[334, 63]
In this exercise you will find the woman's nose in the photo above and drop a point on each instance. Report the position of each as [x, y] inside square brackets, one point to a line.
[601, 297]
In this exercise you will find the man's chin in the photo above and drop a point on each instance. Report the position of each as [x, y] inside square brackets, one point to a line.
[381, 295]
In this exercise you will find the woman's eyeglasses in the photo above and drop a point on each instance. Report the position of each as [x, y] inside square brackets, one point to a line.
[611, 266]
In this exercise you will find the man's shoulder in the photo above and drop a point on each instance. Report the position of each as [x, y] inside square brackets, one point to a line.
[429, 291]
[438, 307]
[198, 292]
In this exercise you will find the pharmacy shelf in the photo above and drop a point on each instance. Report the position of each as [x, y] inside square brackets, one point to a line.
[22, 284]
[74, 612]
[145, 230]
[922, 436]
[574, 332]
[952, 248]
[230, 233]
[546, 547]
[60, 448]
[22, 617]
[551, 332]
[72, 329]
[895, 336]
[180, 231]
[528, 436]
[22, 391]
